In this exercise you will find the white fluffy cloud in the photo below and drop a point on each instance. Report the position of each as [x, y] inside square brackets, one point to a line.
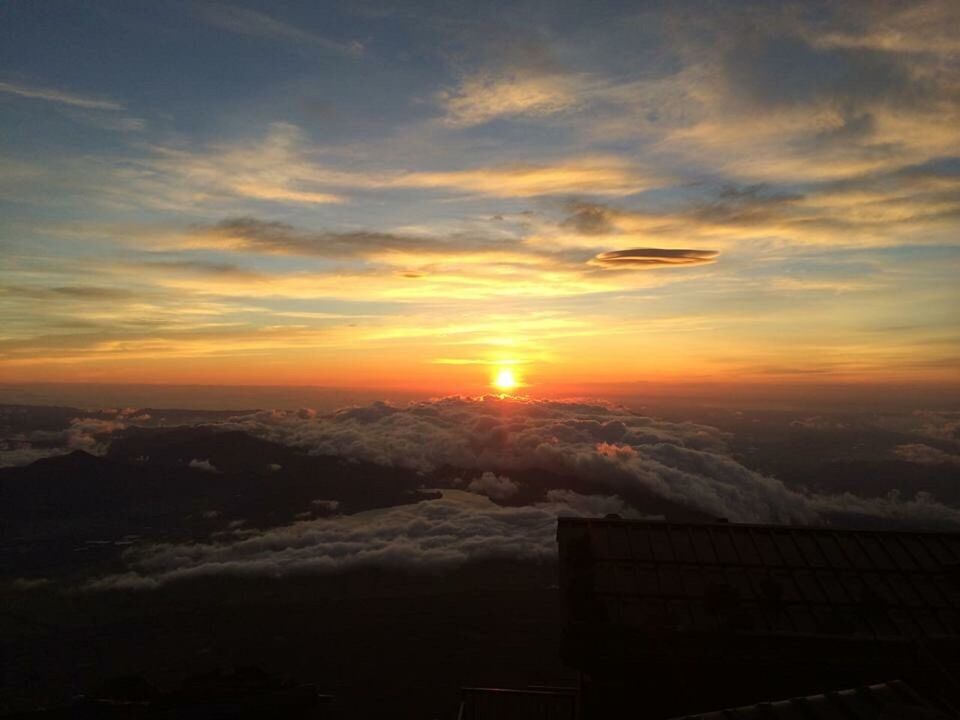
[204, 465]
[432, 534]
[498, 487]
[483, 97]
[13, 454]
[610, 448]
[610, 451]
[926, 455]
[91, 435]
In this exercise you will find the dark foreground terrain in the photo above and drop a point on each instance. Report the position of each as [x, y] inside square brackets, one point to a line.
[380, 641]
[384, 644]
[91, 495]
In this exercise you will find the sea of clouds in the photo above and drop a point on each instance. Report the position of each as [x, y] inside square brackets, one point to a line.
[610, 450]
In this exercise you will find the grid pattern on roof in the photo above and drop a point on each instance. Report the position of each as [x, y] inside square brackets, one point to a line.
[765, 579]
[887, 700]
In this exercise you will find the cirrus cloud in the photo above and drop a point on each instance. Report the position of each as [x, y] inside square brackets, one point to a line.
[59, 96]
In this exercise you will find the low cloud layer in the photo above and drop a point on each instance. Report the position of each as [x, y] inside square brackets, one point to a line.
[609, 448]
[458, 528]
[498, 487]
[608, 453]
[926, 455]
[92, 435]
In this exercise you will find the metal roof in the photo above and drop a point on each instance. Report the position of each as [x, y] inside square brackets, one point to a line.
[886, 701]
[769, 579]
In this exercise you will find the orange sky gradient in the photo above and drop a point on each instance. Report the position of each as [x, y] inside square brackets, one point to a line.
[665, 195]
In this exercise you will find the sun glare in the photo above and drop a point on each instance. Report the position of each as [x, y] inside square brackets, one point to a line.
[505, 380]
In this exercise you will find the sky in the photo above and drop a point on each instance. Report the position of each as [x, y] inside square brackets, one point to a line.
[421, 195]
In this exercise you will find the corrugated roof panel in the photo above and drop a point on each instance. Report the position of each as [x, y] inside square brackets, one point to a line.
[703, 619]
[810, 550]
[810, 589]
[703, 545]
[854, 585]
[680, 615]
[953, 544]
[929, 590]
[862, 622]
[605, 577]
[682, 545]
[646, 580]
[769, 578]
[802, 619]
[877, 590]
[661, 545]
[832, 586]
[854, 550]
[882, 624]
[744, 546]
[948, 618]
[618, 543]
[599, 547]
[752, 615]
[764, 587]
[573, 532]
[614, 577]
[879, 558]
[713, 576]
[903, 558]
[950, 585]
[822, 616]
[737, 579]
[767, 548]
[903, 619]
[640, 544]
[790, 593]
[612, 606]
[929, 623]
[723, 545]
[907, 589]
[671, 583]
[693, 582]
[648, 611]
[787, 547]
[937, 548]
[920, 552]
[831, 549]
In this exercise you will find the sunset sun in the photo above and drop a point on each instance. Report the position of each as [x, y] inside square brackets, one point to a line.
[505, 380]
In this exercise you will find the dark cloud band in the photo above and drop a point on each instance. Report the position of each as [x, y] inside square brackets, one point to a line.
[254, 235]
[646, 258]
